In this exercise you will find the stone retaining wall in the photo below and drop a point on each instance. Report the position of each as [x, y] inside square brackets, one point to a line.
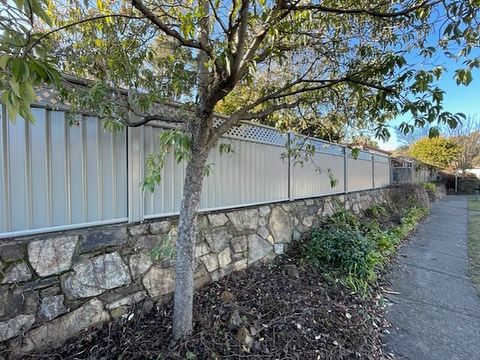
[439, 192]
[55, 286]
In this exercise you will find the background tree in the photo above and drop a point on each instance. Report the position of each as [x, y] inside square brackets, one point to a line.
[467, 136]
[439, 151]
[296, 55]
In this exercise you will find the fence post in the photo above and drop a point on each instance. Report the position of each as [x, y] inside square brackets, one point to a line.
[373, 170]
[135, 169]
[290, 170]
[345, 169]
[390, 171]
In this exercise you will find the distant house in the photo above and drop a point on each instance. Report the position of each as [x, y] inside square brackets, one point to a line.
[406, 169]
[370, 148]
[475, 172]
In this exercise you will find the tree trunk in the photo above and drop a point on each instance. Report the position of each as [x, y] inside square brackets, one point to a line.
[185, 255]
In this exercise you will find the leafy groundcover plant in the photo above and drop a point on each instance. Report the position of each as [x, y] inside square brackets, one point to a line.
[429, 186]
[354, 249]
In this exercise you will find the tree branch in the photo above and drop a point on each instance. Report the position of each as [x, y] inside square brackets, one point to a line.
[228, 123]
[245, 114]
[359, 11]
[271, 20]
[140, 6]
[269, 110]
[66, 26]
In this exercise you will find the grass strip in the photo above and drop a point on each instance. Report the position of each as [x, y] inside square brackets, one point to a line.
[474, 241]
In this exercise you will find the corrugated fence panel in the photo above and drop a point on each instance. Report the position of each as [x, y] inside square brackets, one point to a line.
[382, 171]
[4, 220]
[252, 173]
[40, 191]
[58, 156]
[120, 179]
[312, 179]
[54, 175]
[17, 165]
[360, 172]
[168, 194]
[57, 175]
[78, 206]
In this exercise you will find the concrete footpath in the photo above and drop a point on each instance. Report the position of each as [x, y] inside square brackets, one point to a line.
[436, 314]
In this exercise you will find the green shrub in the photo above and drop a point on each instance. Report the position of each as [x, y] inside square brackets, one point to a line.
[429, 186]
[353, 249]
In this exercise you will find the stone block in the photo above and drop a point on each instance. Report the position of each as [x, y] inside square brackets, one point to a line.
[30, 303]
[244, 220]
[280, 225]
[328, 209]
[17, 273]
[147, 242]
[201, 249]
[52, 256]
[218, 239]
[239, 243]
[210, 261]
[160, 227]
[93, 276]
[278, 249]
[101, 239]
[127, 301]
[308, 221]
[14, 327]
[217, 220]
[224, 258]
[139, 229]
[139, 264]
[52, 307]
[57, 331]
[159, 281]
[118, 312]
[264, 210]
[36, 284]
[262, 221]
[263, 232]
[257, 248]
[12, 252]
[50, 291]
[4, 300]
[240, 265]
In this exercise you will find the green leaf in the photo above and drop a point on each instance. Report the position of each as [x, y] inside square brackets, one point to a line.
[433, 132]
[26, 113]
[4, 59]
[38, 69]
[20, 69]
[15, 86]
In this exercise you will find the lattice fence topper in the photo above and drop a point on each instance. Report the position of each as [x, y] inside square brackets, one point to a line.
[255, 132]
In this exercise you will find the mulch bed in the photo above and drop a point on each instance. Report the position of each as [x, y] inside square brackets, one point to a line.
[278, 310]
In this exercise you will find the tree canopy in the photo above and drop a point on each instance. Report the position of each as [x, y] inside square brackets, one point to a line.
[330, 62]
[438, 151]
[467, 136]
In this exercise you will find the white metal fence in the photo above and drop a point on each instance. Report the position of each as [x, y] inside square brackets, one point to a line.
[55, 175]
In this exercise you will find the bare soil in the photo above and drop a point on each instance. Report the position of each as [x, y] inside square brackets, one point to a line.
[279, 310]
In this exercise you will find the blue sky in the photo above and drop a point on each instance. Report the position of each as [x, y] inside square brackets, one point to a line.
[457, 99]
